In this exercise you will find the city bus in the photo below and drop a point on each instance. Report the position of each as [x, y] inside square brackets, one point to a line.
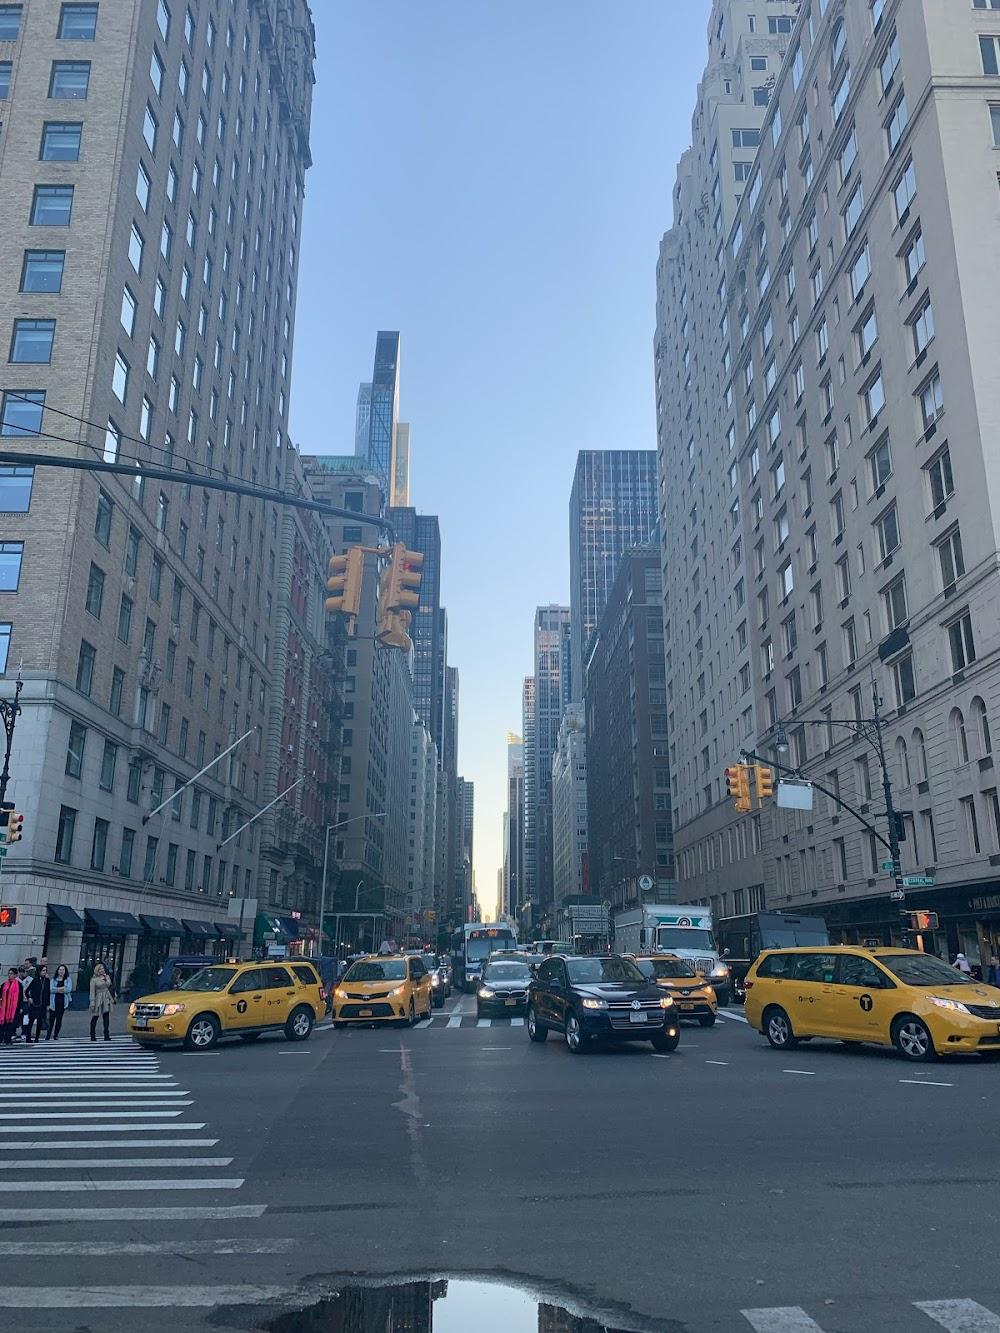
[472, 944]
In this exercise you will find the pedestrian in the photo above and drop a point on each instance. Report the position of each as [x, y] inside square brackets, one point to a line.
[24, 976]
[102, 999]
[39, 993]
[994, 970]
[10, 1006]
[60, 999]
[963, 964]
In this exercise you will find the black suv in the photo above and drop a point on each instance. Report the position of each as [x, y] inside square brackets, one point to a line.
[604, 998]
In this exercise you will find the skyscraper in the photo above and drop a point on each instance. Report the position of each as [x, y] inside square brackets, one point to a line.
[612, 507]
[148, 298]
[421, 532]
[512, 844]
[377, 428]
[529, 807]
[553, 679]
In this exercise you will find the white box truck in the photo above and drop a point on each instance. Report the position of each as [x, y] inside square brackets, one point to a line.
[679, 929]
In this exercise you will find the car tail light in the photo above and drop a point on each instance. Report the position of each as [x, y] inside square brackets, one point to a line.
[322, 992]
[748, 985]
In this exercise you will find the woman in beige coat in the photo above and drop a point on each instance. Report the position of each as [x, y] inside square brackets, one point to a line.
[102, 999]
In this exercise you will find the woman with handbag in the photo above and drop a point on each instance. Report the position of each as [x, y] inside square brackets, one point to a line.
[102, 999]
[10, 1006]
[60, 999]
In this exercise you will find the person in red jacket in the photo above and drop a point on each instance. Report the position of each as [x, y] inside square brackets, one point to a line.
[11, 1003]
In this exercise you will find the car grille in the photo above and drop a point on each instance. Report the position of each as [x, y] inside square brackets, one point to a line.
[984, 1011]
[367, 995]
[705, 965]
[619, 1014]
[148, 1010]
[372, 1010]
[519, 995]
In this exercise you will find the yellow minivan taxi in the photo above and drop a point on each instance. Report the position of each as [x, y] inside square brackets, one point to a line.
[693, 995]
[383, 988]
[231, 1000]
[892, 997]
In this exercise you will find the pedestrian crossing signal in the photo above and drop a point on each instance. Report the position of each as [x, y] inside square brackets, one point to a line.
[8, 916]
[923, 920]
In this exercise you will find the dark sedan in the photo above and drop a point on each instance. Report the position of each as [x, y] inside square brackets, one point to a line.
[503, 991]
[598, 999]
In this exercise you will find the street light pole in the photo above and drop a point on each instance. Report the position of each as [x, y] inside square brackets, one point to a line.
[9, 712]
[330, 828]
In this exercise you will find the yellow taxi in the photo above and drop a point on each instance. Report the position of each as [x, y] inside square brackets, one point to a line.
[383, 988]
[891, 997]
[231, 1000]
[692, 994]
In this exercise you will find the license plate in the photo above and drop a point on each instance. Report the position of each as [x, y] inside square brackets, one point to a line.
[142, 1022]
[637, 1018]
[510, 1002]
[365, 1013]
[687, 1006]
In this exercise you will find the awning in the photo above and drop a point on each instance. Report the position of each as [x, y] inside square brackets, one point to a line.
[66, 916]
[289, 927]
[162, 925]
[113, 923]
[229, 930]
[200, 930]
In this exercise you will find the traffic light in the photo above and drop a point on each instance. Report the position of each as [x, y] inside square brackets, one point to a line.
[923, 920]
[764, 781]
[738, 786]
[399, 595]
[344, 584]
[8, 916]
[15, 826]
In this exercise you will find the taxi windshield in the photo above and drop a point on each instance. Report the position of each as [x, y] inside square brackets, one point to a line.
[922, 969]
[588, 971]
[209, 979]
[377, 971]
[672, 967]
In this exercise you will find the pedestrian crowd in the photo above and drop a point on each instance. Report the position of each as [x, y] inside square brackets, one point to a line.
[32, 1001]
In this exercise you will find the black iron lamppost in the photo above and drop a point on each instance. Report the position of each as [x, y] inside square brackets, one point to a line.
[9, 711]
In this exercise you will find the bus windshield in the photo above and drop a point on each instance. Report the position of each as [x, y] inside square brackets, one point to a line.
[478, 949]
[685, 937]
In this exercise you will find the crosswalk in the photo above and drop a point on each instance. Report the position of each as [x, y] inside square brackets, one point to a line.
[452, 1020]
[960, 1315]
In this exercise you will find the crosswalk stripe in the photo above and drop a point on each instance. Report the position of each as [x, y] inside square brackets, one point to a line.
[960, 1316]
[84, 1115]
[483, 1022]
[184, 1127]
[72, 1298]
[517, 1022]
[196, 1213]
[162, 1094]
[781, 1319]
[78, 1248]
[41, 1081]
[455, 1021]
[107, 1163]
[124, 1186]
[34, 1145]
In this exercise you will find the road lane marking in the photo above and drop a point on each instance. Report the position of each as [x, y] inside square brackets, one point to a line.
[718, 1062]
[781, 1319]
[496, 1048]
[517, 1022]
[294, 1052]
[124, 1186]
[455, 1021]
[739, 1018]
[73, 1298]
[798, 1071]
[960, 1316]
[661, 1056]
[33, 1145]
[109, 1129]
[925, 1083]
[56, 1249]
[193, 1214]
[483, 1022]
[107, 1163]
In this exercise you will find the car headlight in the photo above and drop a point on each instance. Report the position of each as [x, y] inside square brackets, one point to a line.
[485, 993]
[955, 1005]
[396, 990]
[170, 1009]
[131, 1011]
[591, 1003]
[666, 1001]
[339, 994]
[721, 971]
[435, 979]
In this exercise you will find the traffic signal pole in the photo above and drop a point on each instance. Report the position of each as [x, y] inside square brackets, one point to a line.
[9, 712]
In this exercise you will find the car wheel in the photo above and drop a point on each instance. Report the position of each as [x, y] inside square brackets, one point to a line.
[912, 1039]
[535, 1030]
[573, 1033]
[300, 1023]
[778, 1029]
[661, 1042]
[707, 1020]
[203, 1033]
[249, 1036]
[411, 1017]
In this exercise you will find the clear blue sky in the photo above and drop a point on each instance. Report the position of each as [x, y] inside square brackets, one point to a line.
[492, 178]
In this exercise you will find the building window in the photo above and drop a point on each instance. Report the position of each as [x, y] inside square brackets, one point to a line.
[42, 270]
[64, 835]
[894, 599]
[75, 749]
[70, 79]
[931, 400]
[922, 326]
[983, 722]
[904, 191]
[108, 761]
[951, 558]
[940, 479]
[85, 668]
[78, 23]
[31, 343]
[887, 526]
[961, 642]
[60, 141]
[52, 206]
[124, 618]
[95, 591]
[903, 679]
[989, 47]
[10, 22]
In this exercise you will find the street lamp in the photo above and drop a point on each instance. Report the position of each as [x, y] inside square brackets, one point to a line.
[781, 743]
[326, 858]
[9, 712]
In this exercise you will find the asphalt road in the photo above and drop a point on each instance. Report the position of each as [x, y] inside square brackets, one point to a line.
[723, 1187]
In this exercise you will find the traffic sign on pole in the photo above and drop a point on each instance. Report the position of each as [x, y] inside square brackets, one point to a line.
[919, 881]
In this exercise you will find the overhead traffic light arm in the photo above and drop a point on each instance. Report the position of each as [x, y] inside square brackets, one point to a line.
[793, 773]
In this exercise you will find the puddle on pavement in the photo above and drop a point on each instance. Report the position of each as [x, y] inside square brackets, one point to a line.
[448, 1305]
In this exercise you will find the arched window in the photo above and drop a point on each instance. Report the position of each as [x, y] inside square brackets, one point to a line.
[961, 740]
[982, 727]
[903, 759]
[920, 752]
[839, 44]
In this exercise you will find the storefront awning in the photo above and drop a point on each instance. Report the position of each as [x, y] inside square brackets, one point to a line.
[229, 930]
[289, 927]
[113, 923]
[66, 916]
[165, 926]
[200, 930]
